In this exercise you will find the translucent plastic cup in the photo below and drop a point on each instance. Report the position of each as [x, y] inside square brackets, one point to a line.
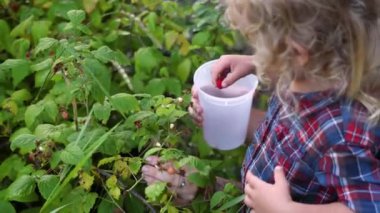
[226, 111]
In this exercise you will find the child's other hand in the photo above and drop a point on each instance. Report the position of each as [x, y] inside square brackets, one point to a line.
[153, 171]
[264, 197]
[195, 109]
[238, 66]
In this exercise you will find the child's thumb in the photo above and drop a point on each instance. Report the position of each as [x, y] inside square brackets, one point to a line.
[279, 177]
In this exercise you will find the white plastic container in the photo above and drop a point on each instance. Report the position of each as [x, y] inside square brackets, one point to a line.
[226, 111]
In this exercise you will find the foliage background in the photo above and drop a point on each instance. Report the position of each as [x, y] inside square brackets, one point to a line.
[89, 88]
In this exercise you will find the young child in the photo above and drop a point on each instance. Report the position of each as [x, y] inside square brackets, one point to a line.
[318, 148]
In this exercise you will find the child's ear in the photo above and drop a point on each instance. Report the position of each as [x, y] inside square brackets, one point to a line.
[302, 54]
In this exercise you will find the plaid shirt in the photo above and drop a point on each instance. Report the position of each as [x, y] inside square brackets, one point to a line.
[328, 151]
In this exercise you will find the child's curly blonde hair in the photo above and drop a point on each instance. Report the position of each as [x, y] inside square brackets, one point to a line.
[341, 36]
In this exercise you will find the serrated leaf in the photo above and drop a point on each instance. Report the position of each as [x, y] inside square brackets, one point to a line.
[198, 179]
[170, 39]
[139, 116]
[22, 190]
[72, 154]
[43, 65]
[154, 191]
[108, 160]
[101, 78]
[20, 47]
[152, 151]
[25, 142]
[46, 184]
[147, 59]
[76, 16]
[31, 114]
[86, 181]
[21, 95]
[20, 68]
[201, 39]
[102, 112]
[44, 44]
[51, 110]
[40, 29]
[155, 87]
[114, 190]
[173, 86]
[216, 199]
[21, 28]
[104, 54]
[184, 69]
[134, 164]
[124, 103]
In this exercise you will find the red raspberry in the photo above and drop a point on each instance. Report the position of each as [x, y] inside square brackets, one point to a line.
[220, 79]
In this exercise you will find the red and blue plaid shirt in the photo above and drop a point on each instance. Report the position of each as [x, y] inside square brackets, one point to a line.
[328, 151]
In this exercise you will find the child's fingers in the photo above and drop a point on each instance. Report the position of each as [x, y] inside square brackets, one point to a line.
[153, 160]
[248, 201]
[219, 67]
[252, 180]
[194, 92]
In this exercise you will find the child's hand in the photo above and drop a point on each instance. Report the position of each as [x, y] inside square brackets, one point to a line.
[177, 181]
[237, 67]
[264, 197]
[195, 109]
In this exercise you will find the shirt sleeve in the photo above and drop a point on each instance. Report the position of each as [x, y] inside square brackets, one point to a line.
[352, 168]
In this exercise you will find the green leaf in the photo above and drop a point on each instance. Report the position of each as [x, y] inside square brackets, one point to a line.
[147, 59]
[25, 142]
[44, 44]
[20, 29]
[202, 39]
[155, 87]
[7, 207]
[31, 114]
[102, 112]
[51, 110]
[170, 39]
[232, 203]
[5, 38]
[10, 167]
[152, 151]
[173, 86]
[78, 200]
[74, 172]
[43, 65]
[198, 179]
[114, 190]
[216, 199]
[154, 191]
[134, 164]
[89, 5]
[46, 184]
[21, 95]
[124, 103]
[108, 160]
[72, 154]
[20, 47]
[44, 131]
[101, 76]
[76, 16]
[20, 68]
[22, 190]
[183, 70]
[104, 54]
[39, 30]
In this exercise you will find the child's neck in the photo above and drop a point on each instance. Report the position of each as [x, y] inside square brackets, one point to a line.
[306, 86]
